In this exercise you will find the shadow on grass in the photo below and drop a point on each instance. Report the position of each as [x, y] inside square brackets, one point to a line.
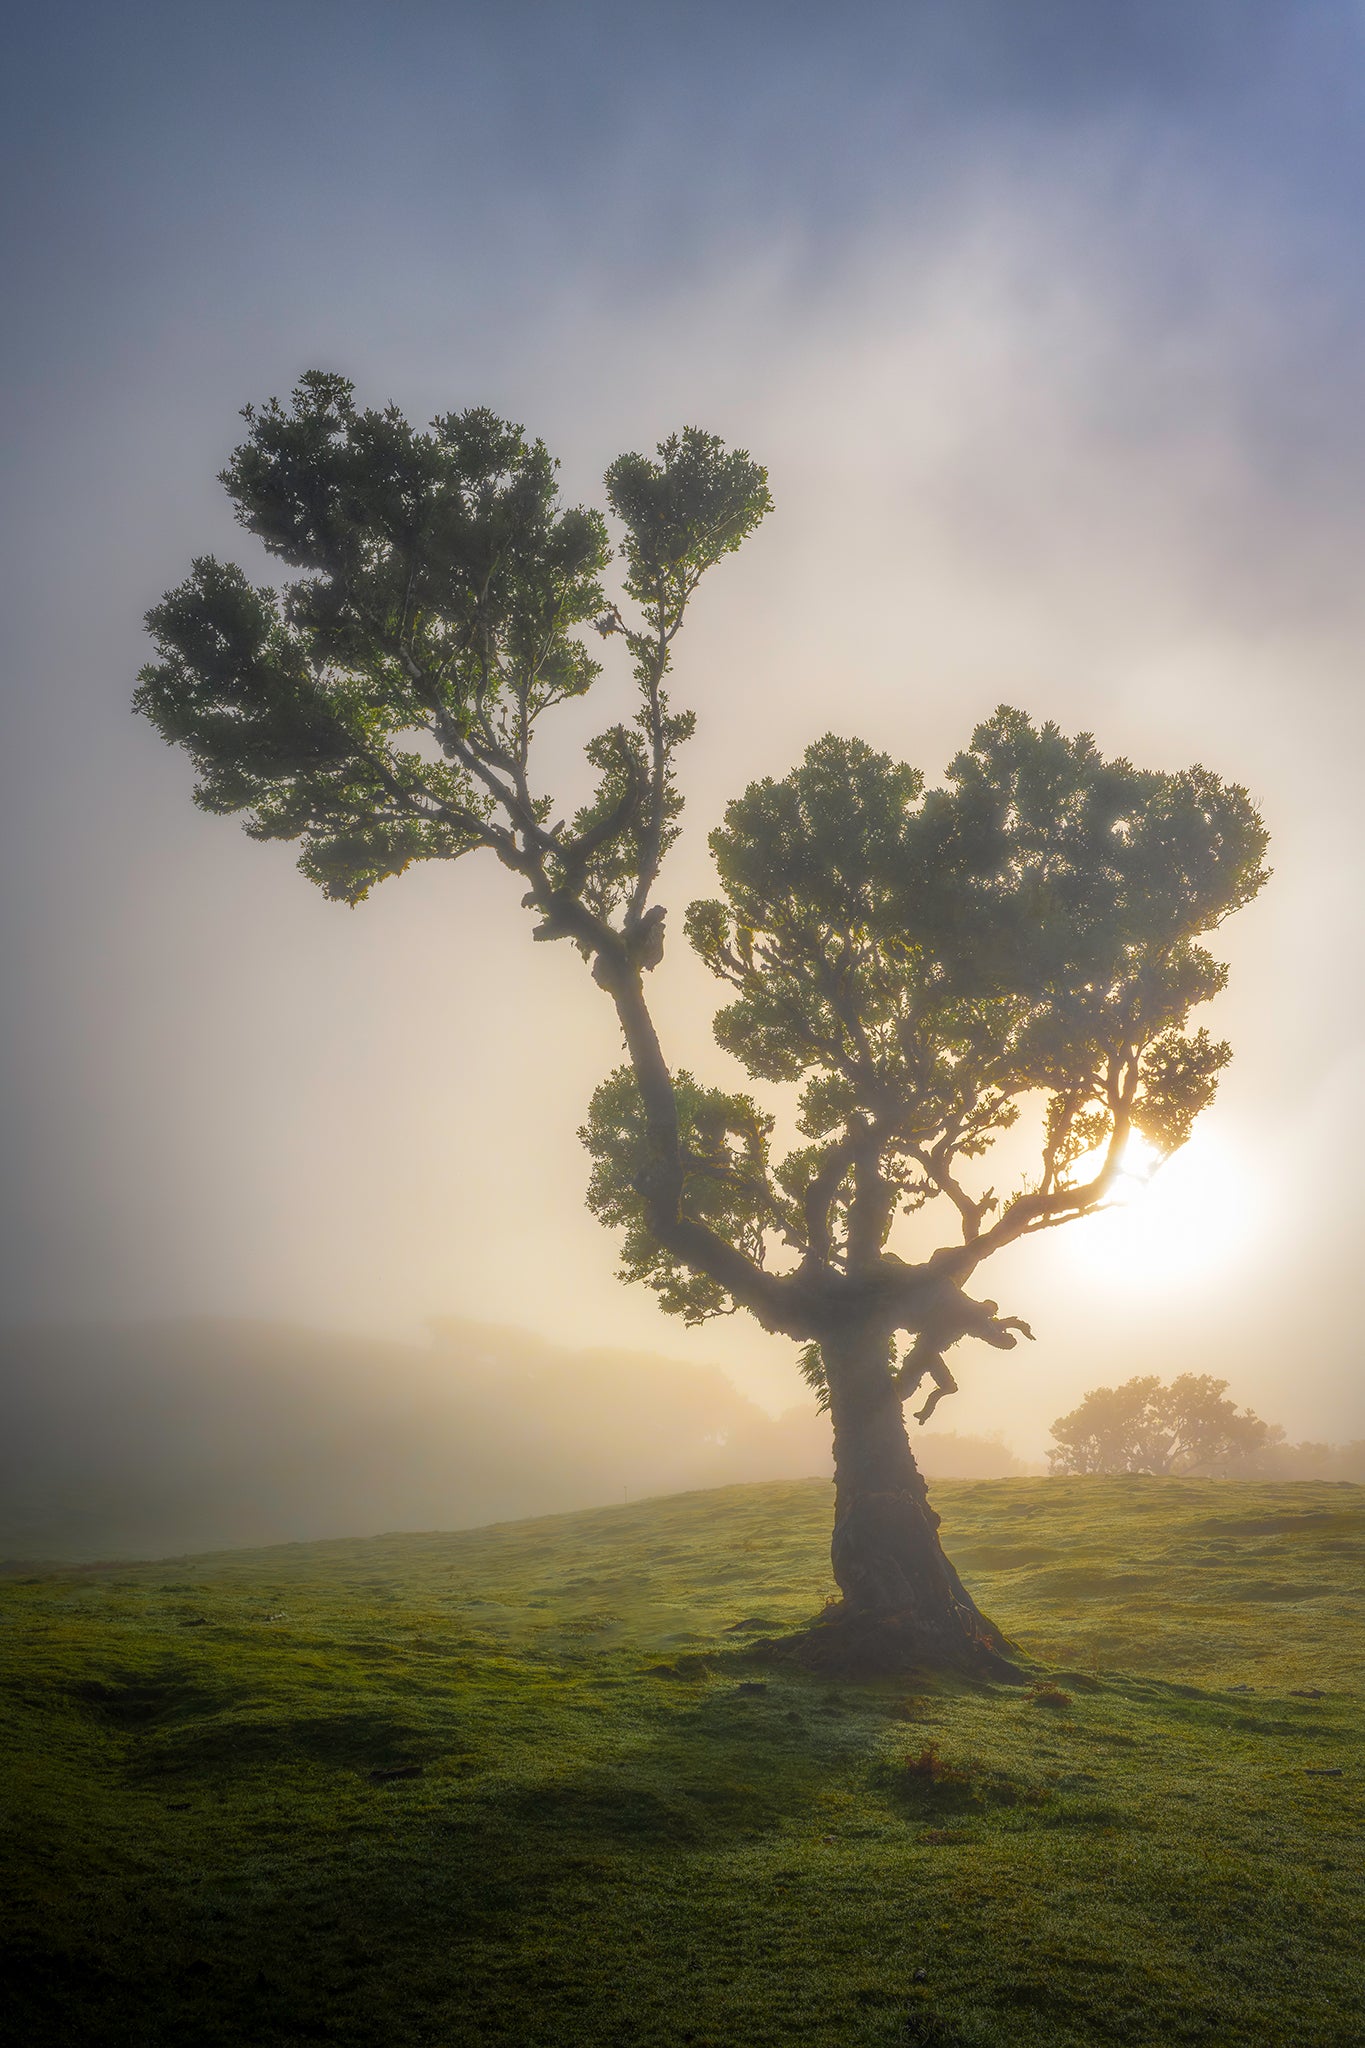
[137, 1700]
[187, 1721]
[558, 1898]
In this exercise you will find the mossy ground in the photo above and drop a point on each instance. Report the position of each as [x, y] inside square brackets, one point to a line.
[629, 1828]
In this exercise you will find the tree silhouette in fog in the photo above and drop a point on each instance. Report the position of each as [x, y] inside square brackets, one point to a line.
[924, 968]
[1187, 1427]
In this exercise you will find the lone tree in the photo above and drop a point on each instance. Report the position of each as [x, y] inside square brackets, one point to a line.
[924, 967]
[1187, 1427]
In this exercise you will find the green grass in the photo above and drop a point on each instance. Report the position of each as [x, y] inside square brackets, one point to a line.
[628, 1828]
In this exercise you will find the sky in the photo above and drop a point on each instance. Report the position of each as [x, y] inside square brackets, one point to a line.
[1048, 325]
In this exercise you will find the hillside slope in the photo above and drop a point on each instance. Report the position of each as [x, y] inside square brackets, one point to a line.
[541, 1784]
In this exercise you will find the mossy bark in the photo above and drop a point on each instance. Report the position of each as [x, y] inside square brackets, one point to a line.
[903, 1605]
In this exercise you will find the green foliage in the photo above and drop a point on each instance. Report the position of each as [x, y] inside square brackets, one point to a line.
[811, 1363]
[926, 965]
[681, 513]
[625, 1830]
[724, 1145]
[810, 929]
[1143, 1426]
[698, 502]
[381, 708]
[441, 587]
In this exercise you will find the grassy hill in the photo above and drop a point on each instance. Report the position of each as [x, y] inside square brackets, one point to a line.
[539, 1784]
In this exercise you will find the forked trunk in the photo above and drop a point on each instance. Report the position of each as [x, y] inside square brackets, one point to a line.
[903, 1604]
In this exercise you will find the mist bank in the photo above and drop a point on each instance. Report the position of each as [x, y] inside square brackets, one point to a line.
[148, 1440]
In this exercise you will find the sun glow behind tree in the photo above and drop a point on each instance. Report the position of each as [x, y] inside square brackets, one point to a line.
[1170, 1223]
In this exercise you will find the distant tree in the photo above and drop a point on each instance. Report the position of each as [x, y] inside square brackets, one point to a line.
[1143, 1426]
[922, 967]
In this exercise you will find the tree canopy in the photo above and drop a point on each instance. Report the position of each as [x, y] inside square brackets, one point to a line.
[1188, 1427]
[923, 967]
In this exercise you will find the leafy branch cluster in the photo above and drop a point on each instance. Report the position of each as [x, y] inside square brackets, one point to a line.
[381, 709]
[921, 966]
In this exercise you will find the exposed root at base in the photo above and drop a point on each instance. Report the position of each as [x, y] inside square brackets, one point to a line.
[845, 1642]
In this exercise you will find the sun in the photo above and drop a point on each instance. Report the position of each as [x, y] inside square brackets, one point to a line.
[1169, 1222]
[1139, 1161]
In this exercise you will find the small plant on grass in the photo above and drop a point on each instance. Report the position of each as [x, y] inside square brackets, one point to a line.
[932, 1769]
[923, 967]
[931, 1783]
[1046, 1694]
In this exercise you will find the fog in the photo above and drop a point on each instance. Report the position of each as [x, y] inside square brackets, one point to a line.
[184, 1436]
[1048, 325]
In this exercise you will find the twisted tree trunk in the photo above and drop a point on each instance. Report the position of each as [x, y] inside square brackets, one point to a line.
[903, 1604]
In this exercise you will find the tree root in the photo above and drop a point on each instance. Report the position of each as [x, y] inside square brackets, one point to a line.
[846, 1642]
